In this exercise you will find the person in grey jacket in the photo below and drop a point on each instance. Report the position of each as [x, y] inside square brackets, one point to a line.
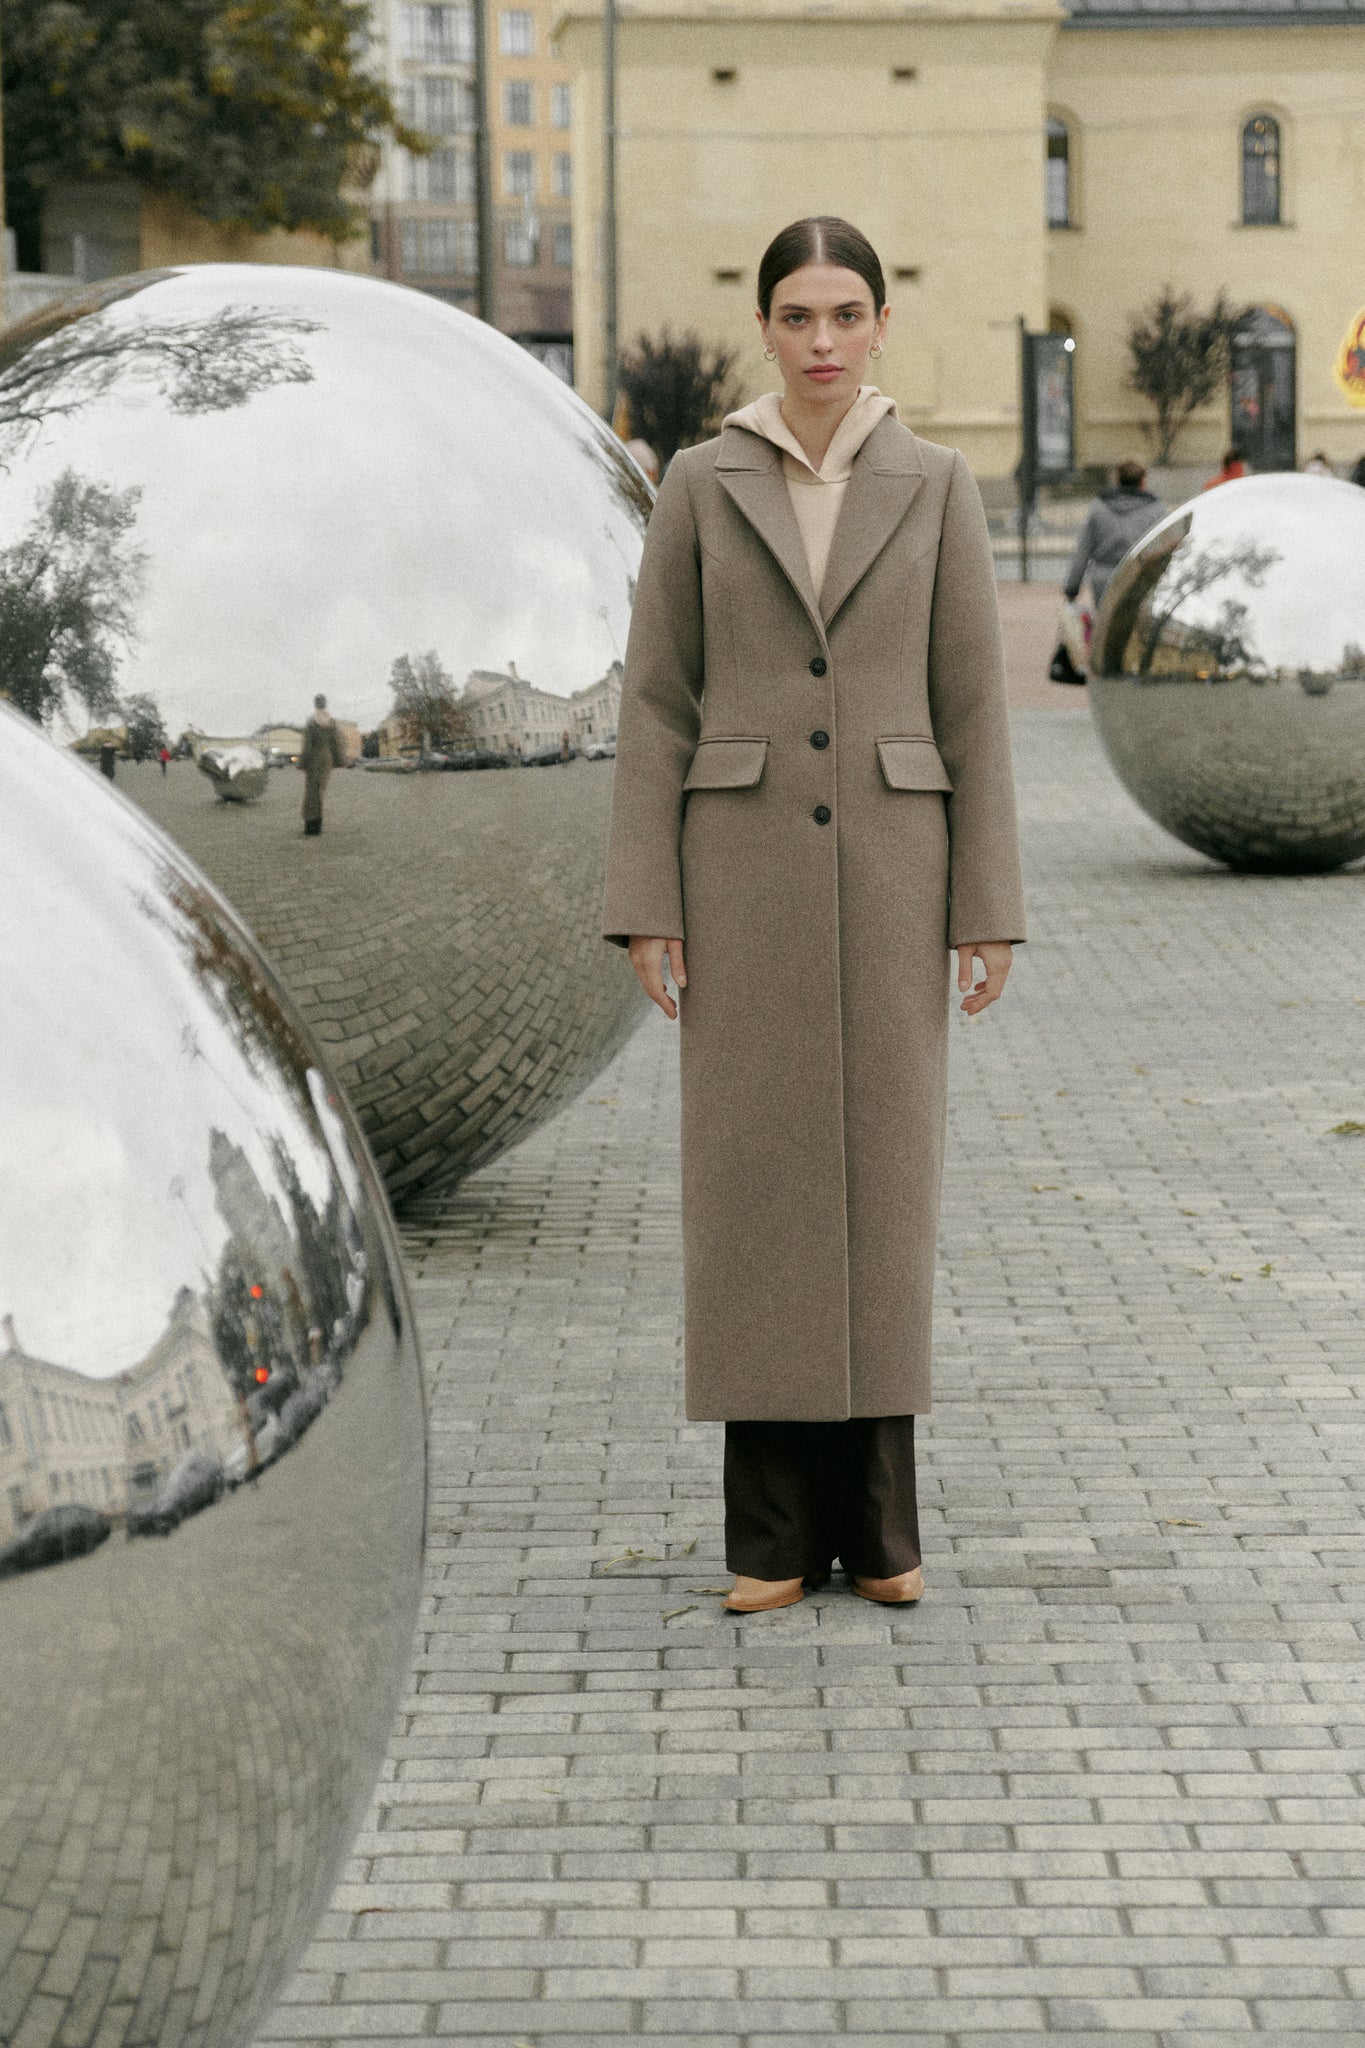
[1116, 518]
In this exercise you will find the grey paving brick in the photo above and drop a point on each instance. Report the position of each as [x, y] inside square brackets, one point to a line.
[1106, 1782]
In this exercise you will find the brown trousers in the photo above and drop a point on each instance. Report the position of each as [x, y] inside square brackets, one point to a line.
[798, 1495]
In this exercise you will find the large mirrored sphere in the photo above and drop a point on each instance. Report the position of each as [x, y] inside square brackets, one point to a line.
[211, 1444]
[1228, 673]
[276, 483]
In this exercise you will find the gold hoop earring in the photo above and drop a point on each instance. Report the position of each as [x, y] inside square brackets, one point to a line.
[771, 354]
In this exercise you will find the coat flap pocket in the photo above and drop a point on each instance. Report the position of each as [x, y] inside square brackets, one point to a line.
[726, 764]
[913, 764]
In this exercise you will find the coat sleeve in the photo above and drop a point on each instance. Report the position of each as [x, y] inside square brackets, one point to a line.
[656, 731]
[971, 725]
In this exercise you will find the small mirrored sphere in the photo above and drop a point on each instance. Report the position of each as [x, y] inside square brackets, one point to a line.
[274, 485]
[239, 774]
[1228, 673]
[212, 1470]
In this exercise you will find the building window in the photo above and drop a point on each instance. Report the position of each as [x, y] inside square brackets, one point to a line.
[562, 175]
[444, 175]
[519, 244]
[439, 248]
[450, 175]
[516, 32]
[1058, 173]
[518, 174]
[563, 242]
[1261, 171]
[517, 110]
[438, 35]
[561, 106]
[436, 106]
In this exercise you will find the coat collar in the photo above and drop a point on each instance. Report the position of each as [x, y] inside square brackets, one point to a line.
[887, 472]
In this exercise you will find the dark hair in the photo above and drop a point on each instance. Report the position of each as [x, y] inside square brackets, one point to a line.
[1131, 472]
[823, 238]
[319, 702]
[1234, 454]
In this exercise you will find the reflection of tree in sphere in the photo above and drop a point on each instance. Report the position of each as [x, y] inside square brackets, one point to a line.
[1228, 677]
[230, 489]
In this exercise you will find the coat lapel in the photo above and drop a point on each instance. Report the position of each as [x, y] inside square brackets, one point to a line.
[888, 471]
[750, 469]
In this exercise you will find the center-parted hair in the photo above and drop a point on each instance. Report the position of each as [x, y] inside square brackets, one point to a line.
[823, 238]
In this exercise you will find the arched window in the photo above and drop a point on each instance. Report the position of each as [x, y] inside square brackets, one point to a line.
[1058, 173]
[1261, 171]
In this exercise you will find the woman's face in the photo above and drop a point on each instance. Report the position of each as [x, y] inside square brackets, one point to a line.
[822, 323]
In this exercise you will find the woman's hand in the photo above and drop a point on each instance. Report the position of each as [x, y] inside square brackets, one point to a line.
[995, 956]
[647, 958]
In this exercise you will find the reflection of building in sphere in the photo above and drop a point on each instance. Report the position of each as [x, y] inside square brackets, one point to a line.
[1228, 678]
[211, 1445]
[276, 483]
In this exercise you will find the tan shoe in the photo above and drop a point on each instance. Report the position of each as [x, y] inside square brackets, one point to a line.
[902, 1591]
[757, 1596]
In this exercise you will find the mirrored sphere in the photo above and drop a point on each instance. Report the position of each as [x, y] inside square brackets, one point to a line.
[281, 483]
[211, 1442]
[1228, 673]
[239, 774]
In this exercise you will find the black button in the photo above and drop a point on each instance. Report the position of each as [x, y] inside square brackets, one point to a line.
[819, 739]
[822, 814]
[818, 665]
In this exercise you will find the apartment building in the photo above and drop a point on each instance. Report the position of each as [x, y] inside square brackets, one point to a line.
[424, 226]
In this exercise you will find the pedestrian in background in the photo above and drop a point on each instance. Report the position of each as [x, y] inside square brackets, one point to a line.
[1234, 465]
[321, 752]
[1115, 519]
[1358, 473]
[163, 755]
[813, 789]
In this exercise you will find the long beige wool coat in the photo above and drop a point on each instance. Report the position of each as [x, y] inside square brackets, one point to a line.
[817, 797]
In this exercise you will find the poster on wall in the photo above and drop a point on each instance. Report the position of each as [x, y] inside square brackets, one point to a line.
[1350, 366]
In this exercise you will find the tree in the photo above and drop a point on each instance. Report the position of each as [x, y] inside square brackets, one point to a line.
[675, 391]
[425, 698]
[254, 113]
[68, 587]
[145, 726]
[1178, 360]
[197, 365]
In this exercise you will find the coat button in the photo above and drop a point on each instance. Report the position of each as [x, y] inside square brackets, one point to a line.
[818, 665]
[819, 739]
[822, 814]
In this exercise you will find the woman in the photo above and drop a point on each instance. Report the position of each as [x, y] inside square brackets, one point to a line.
[813, 792]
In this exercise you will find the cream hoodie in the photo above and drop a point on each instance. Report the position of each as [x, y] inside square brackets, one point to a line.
[816, 494]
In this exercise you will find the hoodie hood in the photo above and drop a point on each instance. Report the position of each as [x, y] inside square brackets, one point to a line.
[764, 418]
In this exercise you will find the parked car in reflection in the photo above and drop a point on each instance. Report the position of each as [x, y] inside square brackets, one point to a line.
[56, 1534]
[547, 757]
[197, 1482]
[303, 1407]
[478, 757]
[601, 750]
[268, 1440]
[388, 764]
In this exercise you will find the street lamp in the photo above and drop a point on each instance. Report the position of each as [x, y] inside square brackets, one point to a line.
[609, 206]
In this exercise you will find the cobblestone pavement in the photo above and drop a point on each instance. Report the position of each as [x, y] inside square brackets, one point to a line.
[441, 938]
[1106, 1781]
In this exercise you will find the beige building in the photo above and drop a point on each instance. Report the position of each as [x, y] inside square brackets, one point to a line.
[423, 208]
[66, 1438]
[1010, 159]
[597, 706]
[512, 715]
